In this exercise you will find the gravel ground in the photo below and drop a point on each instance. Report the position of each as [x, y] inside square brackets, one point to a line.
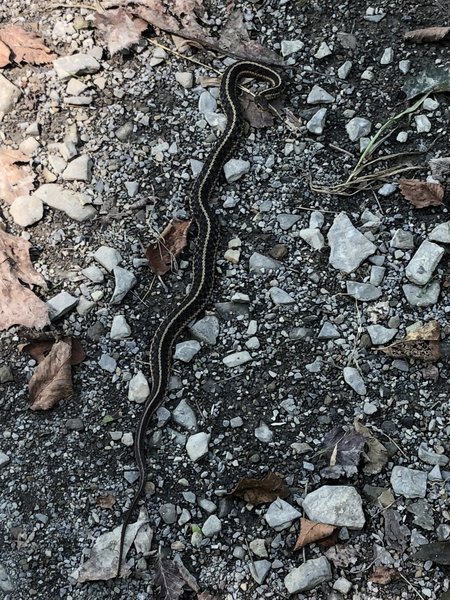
[312, 362]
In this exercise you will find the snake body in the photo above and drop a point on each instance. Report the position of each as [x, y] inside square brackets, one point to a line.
[204, 258]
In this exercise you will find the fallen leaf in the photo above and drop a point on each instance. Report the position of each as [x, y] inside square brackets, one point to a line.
[437, 552]
[103, 561]
[186, 19]
[168, 579]
[259, 491]
[120, 29]
[18, 304]
[255, 115]
[52, 379]
[106, 501]
[15, 181]
[428, 34]
[39, 347]
[375, 455]
[25, 46]
[382, 575]
[343, 448]
[421, 193]
[168, 246]
[207, 596]
[396, 533]
[189, 579]
[422, 344]
[312, 531]
[343, 556]
[4, 55]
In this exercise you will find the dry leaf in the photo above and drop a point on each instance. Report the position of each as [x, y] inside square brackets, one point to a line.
[25, 46]
[120, 29]
[168, 246]
[375, 455]
[256, 116]
[167, 577]
[18, 304]
[422, 344]
[440, 167]
[437, 552]
[185, 18]
[14, 181]
[428, 34]
[4, 54]
[312, 531]
[39, 347]
[259, 491]
[52, 379]
[207, 596]
[421, 193]
[342, 451]
[396, 533]
[382, 575]
[106, 501]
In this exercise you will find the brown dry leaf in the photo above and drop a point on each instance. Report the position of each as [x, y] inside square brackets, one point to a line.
[382, 575]
[40, 346]
[259, 491]
[312, 531]
[375, 456]
[421, 193]
[186, 19]
[168, 246]
[26, 46]
[256, 116]
[207, 596]
[14, 181]
[167, 577]
[4, 55]
[52, 379]
[120, 29]
[422, 344]
[18, 304]
[106, 501]
[428, 34]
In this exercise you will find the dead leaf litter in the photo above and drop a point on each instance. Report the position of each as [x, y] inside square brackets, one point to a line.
[308, 407]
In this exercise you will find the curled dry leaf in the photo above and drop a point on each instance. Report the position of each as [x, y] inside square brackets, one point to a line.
[428, 34]
[18, 304]
[375, 455]
[422, 344]
[256, 116]
[15, 181]
[52, 380]
[259, 491]
[421, 193]
[168, 246]
[25, 46]
[312, 531]
[382, 575]
[120, 29]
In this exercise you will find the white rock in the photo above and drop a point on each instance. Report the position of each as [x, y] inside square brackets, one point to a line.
[337, 505]
[441, 233]
[421, 267]
[357, 128]
[29, 146]
[185, 351]
[26, 210]
[323, 51]
[263, 433]
[120, 329]
[138, 388]
[69, 202]
[75, 64]
[79, 169]
[185, 79]
[124, 281]
[93, 273]
[9, 94]
[349, 247]
[184, 416]
[212, 526]
[197, 445]
[237, 359]
[235, 168]
[259, 569]
[309, 575]
[288, 47]
[354, 380]
[108, 257]
[313, 237]
[409, 483]
[279, 296]
[319, 96]
[423, 124]
[317, 122]
[280, 514]
[380, 335]
[262, 264]
[387, 57]
[61, 304]
[345, 69]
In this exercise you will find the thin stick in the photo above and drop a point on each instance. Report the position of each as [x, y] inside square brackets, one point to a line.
[411, 586]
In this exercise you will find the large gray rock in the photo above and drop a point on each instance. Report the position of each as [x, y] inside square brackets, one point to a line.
[422, 296]
[337, 505]
[75, 64]
[9, 94]
[309, 575]
[422, 265]
[349, 247]
[72, 203]
[409, 483]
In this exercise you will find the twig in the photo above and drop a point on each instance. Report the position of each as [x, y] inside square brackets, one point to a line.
[411, 586]
[388, 437]
[341, 150]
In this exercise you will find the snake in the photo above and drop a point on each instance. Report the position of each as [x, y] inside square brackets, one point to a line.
[204, 255]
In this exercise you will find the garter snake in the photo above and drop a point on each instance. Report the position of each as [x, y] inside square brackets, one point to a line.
[204, 256]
